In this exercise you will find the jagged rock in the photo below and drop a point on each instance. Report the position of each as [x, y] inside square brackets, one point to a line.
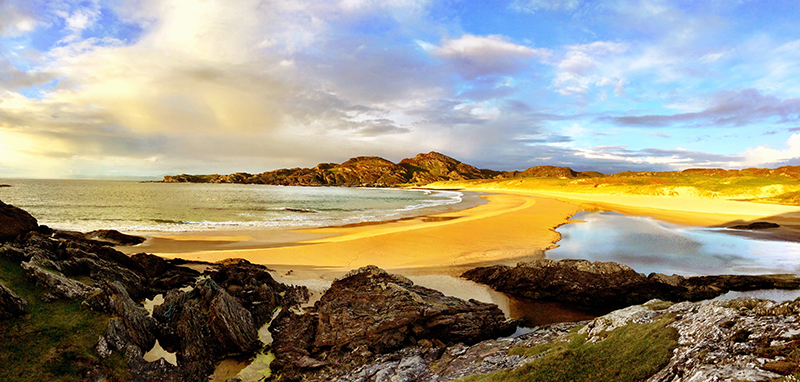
[255, 288]
[204, 325]
[15, 222]
[756, 225]
[163, 275]
[114, 237]
[57, 284]
[11, 305]
[613, 285]
[12, 253]
[372, 312]
[133, 325]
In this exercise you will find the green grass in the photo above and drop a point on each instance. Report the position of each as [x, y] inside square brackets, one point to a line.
[630, 353]
[55, 340]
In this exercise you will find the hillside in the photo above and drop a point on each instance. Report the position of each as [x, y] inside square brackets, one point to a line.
[779, 185]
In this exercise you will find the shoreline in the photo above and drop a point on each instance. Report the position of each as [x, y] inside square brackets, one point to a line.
[506, 229]
[514, 225]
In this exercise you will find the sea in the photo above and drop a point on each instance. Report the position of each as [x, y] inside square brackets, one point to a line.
[131, 206]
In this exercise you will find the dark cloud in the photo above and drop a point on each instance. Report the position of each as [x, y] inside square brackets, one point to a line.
[730, 109]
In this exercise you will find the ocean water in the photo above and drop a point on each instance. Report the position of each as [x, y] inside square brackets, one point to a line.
[130, 206]
[649, 245]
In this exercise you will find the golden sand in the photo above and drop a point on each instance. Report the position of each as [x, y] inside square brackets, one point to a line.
[515, 224]
[508, 227]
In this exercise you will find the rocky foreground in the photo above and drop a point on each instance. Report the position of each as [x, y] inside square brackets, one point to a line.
[369, 326]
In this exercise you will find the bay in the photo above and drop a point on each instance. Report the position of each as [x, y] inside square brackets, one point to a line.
[130, 206]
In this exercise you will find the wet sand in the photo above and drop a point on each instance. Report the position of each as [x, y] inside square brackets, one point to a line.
[504, 230]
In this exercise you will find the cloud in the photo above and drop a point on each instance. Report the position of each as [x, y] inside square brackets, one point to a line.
[16, 18]
[583, 65]
[475, 56]
[728, 108]
[531, 6]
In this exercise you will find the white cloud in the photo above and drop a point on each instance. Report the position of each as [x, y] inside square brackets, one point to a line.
[476, 56]
[764, 155]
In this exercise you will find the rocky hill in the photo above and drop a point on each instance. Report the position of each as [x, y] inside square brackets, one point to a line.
[378, 172]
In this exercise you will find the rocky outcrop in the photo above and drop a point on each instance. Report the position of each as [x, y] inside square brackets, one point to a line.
[370, 312]
[11, 305]
[613, 285]
[743, 339]
[755, 225]
[255, 288]
[57, 285]
[114, 237]
[15, 222]
[203, 326]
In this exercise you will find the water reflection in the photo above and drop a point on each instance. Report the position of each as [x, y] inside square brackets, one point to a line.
[648, 245]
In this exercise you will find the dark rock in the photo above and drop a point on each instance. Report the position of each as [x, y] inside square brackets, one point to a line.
[114, 237]
[203, 326]
[12, 253]
[11, 305]
[612, 285]
[163, 275]
[756, 225]
[5, 185]
[57, 285]
[133, 325]
[371, 312]
[15, 222]
[255, 288]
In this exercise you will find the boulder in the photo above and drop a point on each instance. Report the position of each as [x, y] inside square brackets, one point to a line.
[11, 305]
[370, 312]
[114, 237]
[755, 226]
[203, 326]
[133, 324]
[15, 222]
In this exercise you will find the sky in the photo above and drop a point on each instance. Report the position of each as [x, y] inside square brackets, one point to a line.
[115, 88]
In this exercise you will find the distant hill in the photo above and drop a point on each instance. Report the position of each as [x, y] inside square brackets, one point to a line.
[435, 167]
[359, 171]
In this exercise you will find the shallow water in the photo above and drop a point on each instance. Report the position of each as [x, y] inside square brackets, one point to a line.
[85, 205]
[648, 245]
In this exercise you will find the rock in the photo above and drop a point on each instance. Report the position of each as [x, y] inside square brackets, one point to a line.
[612, 285]
[15, 222]
[58, 285]
[203, 326]
[372, 309]
[371, 312]
[4, 185]
[756, 225]
[255, 288]
[114, 237]
[12, 253]
[11, 305]
[133, 325]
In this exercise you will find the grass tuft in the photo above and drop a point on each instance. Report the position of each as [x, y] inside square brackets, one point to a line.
[630, 353]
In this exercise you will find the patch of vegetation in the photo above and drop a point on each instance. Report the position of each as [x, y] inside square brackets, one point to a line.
[54, 341]
[630, 353]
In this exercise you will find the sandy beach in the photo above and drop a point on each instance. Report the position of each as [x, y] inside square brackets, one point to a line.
[507, 227]
[514, 225]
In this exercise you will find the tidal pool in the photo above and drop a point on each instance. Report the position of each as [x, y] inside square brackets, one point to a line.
[649, 245]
